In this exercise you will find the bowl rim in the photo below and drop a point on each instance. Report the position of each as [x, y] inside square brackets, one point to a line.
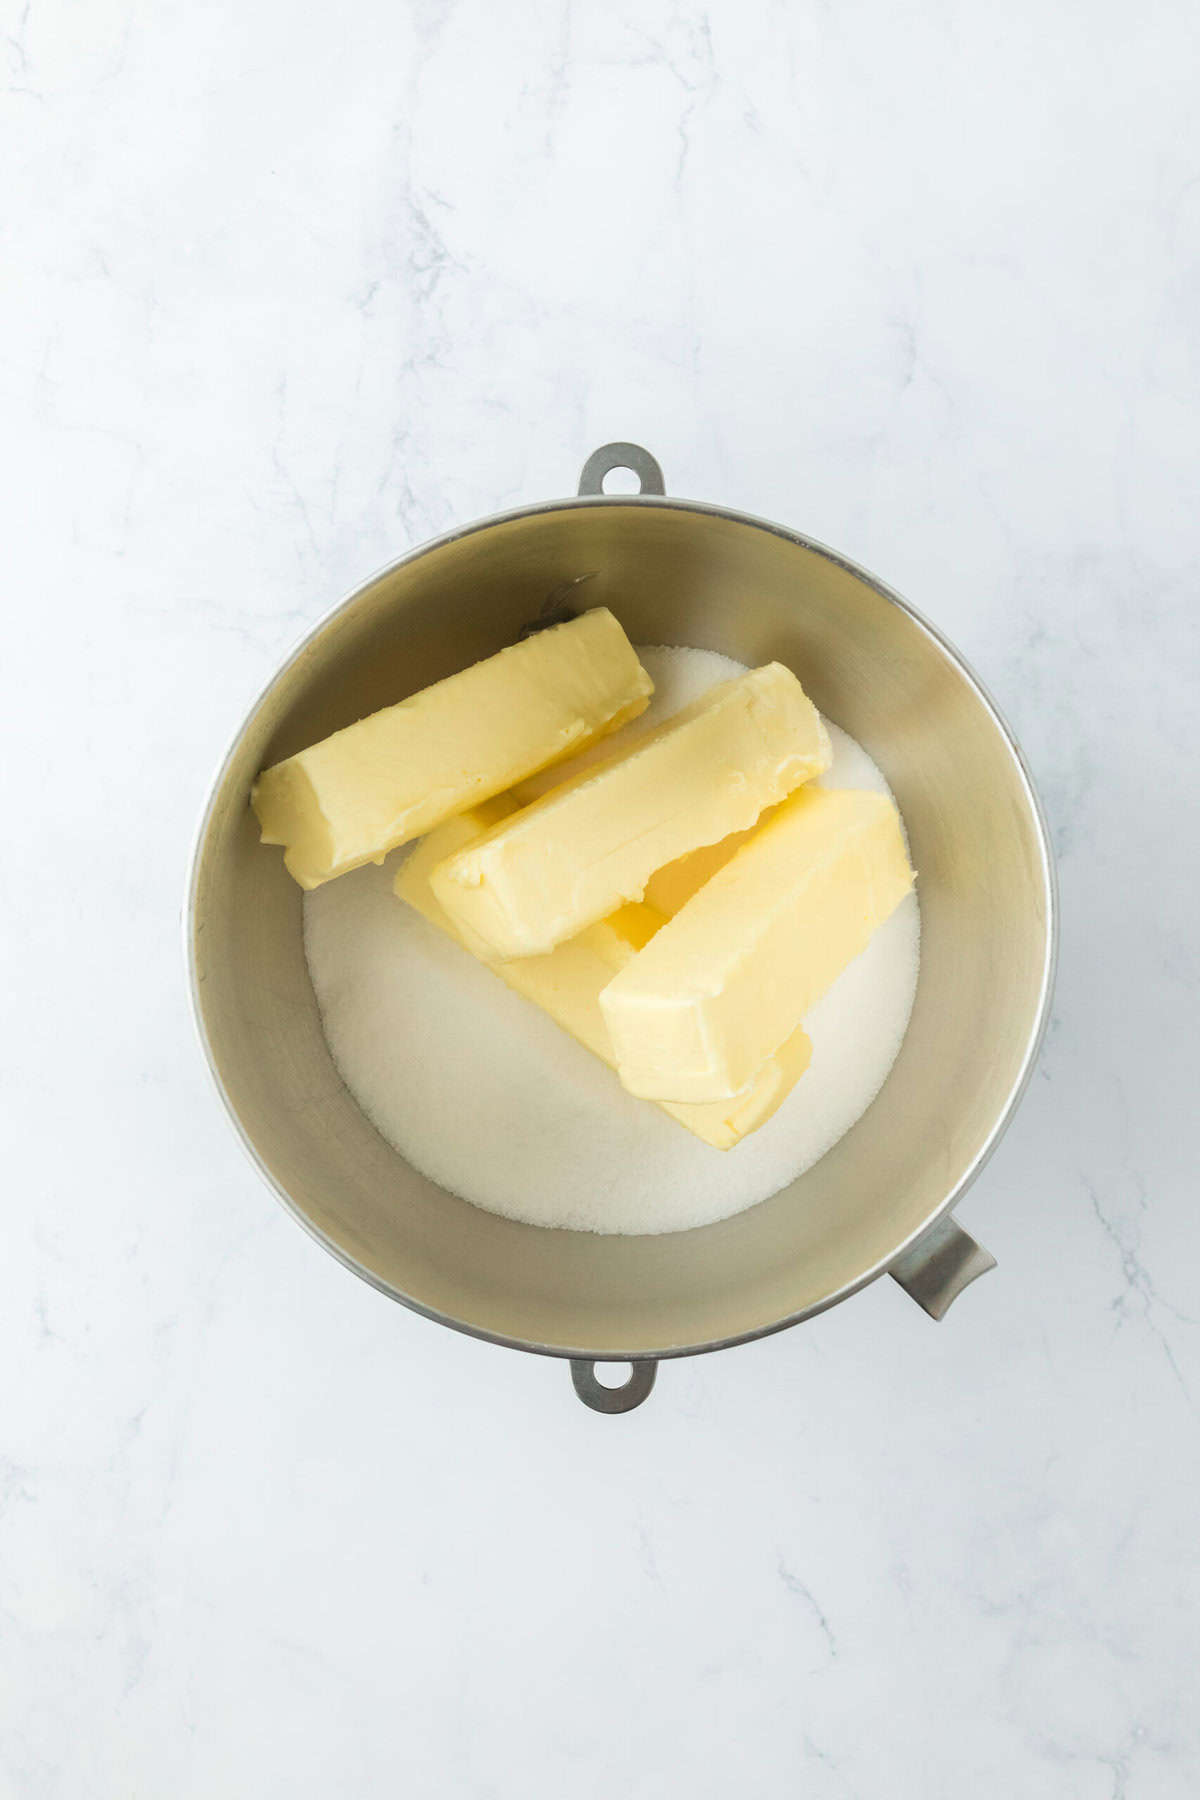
[1004, 1114]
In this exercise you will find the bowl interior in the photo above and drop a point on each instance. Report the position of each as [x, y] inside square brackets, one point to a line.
[682, 575]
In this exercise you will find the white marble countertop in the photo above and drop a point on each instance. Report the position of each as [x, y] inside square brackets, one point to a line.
[286, 290]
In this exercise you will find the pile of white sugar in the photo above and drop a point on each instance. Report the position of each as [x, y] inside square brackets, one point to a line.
[484, 1094]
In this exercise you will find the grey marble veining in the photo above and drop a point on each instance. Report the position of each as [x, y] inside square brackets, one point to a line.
[285, 291]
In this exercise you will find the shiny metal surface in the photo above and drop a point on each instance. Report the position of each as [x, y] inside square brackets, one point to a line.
[621, 1399]
[601, 463]
[673, 572]
[944, 1260]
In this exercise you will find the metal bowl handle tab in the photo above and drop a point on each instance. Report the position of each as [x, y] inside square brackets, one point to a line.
[603, 1399]
[602, 462]
[941, 1263]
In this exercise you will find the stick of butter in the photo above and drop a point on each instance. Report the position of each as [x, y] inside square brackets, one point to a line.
[725, 981]
[567, 982]
[669, 889]
[590, 845]
[355, 796]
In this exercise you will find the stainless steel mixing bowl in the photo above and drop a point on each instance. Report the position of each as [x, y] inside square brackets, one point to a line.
[674, 572]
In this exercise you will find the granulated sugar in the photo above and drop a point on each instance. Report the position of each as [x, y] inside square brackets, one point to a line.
[486, 1096]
